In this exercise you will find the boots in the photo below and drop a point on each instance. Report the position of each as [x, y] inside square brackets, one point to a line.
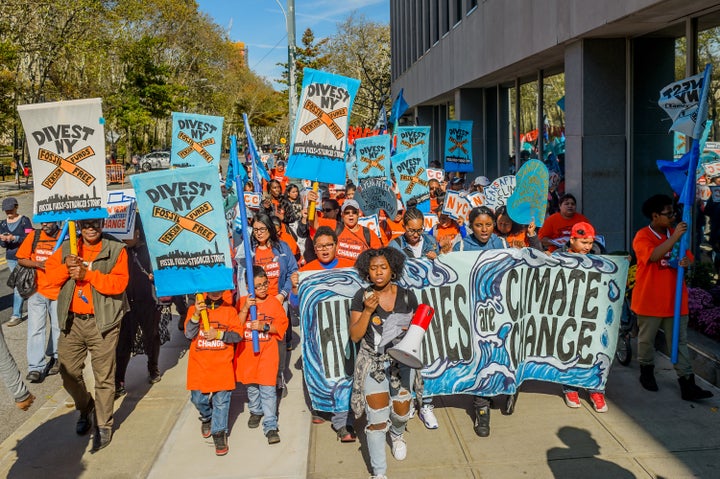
[482, 421]
[690, 391]
[647, 377]
[221, 444]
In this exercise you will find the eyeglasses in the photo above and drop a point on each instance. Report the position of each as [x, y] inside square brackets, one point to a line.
[414, 231]
[262, 229]
[668, 214]
[90, 224]
[264, 285]
[350, 211]
[321, 247]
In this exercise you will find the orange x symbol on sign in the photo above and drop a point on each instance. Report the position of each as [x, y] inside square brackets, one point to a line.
[458, 144]
[66, 165]
[373, 163]
[414, 180]
[186, 222]
[409, 145]
[323, 118]
[195, 146]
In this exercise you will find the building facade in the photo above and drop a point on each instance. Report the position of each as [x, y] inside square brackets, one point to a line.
[473, 59]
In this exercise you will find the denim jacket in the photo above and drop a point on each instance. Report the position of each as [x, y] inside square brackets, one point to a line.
[286, 259]
[429, 244]
[471, 243]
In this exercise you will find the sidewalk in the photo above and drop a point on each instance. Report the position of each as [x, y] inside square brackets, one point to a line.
[157, 435]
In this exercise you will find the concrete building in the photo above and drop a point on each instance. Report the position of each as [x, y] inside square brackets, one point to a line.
[471, 59]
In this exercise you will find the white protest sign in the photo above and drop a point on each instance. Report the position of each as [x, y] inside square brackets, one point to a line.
[499, 191]
[712, 169]
[429, 221]
[371, 222]
[455, 206]
[436, 174]
[252, 200]
[121, 206]
[476, 199]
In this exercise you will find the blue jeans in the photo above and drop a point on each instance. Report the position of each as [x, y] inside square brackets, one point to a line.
[10, 374]
[262, 400]
[17, 299]
[214, 406]
[39, 308]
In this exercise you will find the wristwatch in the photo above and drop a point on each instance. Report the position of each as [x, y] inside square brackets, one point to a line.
[266, 328]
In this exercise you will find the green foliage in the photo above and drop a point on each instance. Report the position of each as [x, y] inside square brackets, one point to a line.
[701, 275]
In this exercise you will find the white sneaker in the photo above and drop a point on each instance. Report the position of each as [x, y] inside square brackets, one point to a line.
[379, 476]
[399, 448]
[427, 416]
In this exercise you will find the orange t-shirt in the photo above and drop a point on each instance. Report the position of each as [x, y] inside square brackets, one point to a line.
[517, 240]
[316, 265]
[557, 226]
[109, 284]
[210, 363]
[329, 222]
[391, 229]
[43, 251]
[446, 232]
[351, 244]
[654, 292]
[288, 238]
[265, 258]
[262, 368]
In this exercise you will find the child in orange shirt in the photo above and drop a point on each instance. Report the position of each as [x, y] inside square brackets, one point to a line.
[211, 376]
[259, 371]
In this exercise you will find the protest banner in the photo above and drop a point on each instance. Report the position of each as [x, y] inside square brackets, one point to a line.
[410, 169]
[456, 206]
[528, 201]
[319, 140]
[458, 146]
[409, 137]
[121, 207]
[497, 193]
[66, 144]
[196, 139]
[184, 222]
[436, 174]
[501, 317]
[371, 222]
[681, 100]
[476, 199]
[373, 157]
[375, 194]
[712, 169]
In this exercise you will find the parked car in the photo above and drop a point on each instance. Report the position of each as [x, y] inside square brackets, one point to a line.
[155, 160]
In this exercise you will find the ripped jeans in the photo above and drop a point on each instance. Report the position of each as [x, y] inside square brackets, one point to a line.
[397, 386]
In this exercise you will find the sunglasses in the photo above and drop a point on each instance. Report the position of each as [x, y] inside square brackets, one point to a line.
[90, 224]
[668, 214]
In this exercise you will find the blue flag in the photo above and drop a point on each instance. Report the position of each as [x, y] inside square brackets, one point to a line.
[399, 107]
[676, 172]
[257, 165]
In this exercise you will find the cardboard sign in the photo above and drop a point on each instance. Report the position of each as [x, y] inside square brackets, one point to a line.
[456, 207]
[252, 200]
[436, 174]
[371, 222]
[497, 193]
[122, 206]
[429, 222]
[476, 199]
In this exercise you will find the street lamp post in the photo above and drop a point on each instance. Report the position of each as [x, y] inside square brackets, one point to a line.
[290, 25]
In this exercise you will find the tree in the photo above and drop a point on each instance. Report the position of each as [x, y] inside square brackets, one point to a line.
[309, 55]
[361, 49]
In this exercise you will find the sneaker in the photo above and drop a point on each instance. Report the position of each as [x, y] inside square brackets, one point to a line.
[317, 418]
[273, 436]
[572, 399]
[221, 444]
[120, 391]
[54, 367]
[254, 420]
[85, 420]
[482, 421]
[427, 416]
[399, 448]
[598, 402]
[346, 434]
[205, 428]
[34, 377]
[26, 403]
[379, 476]
[14, 321]
[154, 377]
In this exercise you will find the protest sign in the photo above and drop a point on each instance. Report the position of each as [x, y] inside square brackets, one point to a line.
[501, 317]
[66, 143]
[184, 222]
[528, 201]
[436, 174]
[458, 146]
[409, 137]
[497, 193]
[121, 207]
[712, 169]
[375, 194]
[714, 193]
[429, 222]
[373, 157]
[681, 100]
[456, 206]
[476, 199]
[252, 200]
[351, 167]
[371, 222]
[410, 169]
[196, 139]
[319, 142]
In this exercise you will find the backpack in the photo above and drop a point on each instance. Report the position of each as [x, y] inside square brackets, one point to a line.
[24, 278]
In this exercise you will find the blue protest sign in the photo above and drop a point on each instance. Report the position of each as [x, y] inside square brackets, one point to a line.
[196, 139]
[411, 136]
[373, 156]
[410, 169]
[458, 146]
[528, 201]
[319, 141]
[184, 223]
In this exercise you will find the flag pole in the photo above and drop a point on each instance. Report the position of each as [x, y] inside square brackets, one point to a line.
[689, 205]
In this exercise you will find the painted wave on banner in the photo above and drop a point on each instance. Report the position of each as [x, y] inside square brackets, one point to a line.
[501, 317]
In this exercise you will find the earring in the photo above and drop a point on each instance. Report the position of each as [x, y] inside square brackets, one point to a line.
[393, 277]
[368, 278]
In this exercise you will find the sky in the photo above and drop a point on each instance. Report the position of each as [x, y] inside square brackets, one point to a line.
[261, 25]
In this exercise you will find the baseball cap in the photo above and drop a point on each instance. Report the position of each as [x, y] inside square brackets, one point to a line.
[582, 230]
[481, 181]
[350, 203]
[456, 181]
[9, 203]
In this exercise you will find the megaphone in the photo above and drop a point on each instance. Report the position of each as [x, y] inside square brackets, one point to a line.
[407, 351]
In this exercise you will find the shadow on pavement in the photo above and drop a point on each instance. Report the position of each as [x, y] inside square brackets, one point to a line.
[564, 462]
